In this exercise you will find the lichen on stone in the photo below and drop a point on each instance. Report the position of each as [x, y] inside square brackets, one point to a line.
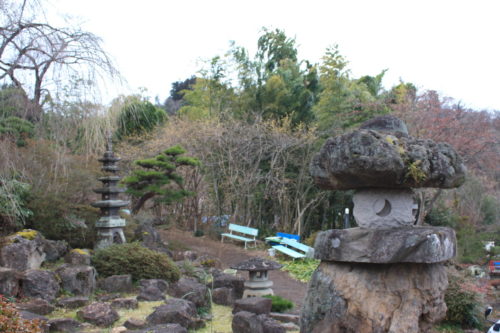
[28, 234]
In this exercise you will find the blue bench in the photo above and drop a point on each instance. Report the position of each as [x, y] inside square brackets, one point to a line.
[275, 240]
[294, 249]
[242, 230]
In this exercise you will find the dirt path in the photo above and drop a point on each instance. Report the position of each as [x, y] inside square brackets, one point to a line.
[230, 254]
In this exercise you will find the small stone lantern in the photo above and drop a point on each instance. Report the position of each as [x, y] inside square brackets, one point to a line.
[258, 283]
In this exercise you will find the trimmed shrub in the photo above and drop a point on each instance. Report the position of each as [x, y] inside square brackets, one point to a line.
[136, 260]
[11, 322]
[279, 304]
[138, 117]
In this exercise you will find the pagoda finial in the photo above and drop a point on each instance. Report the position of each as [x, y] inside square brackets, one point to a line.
[109, 143]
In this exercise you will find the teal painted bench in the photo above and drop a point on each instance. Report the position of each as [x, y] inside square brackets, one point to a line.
[294, 249]
[247, 231]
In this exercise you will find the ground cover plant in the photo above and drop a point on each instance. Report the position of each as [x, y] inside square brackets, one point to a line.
[300, 269]
[279, 304]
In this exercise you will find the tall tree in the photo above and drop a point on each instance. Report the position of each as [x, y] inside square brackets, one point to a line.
[38, 57]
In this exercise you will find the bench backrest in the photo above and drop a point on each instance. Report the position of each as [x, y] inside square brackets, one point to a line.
[290, 236]
[293, 243]
[244, 230]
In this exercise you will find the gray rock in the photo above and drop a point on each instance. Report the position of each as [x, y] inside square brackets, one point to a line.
[177, 311]
[43, 321]
[152, 290]
[192, 290]
[54, 249]
[407, 244]
[270, 325]
[285, 317]
[257, 305]
[73, 302]
[39, 284]
[223, 296]
[377, 208]
[77, 279]
[66, 325]
[38, 306]
[116, 283]
[77, 257]
[99, 314]
[22, 254]
[386, 124]
[246, 322]
[134, 323]
[124, 303]
[9, 282]
[236, 283]
[167, 328]
[370, 159]
[350, 297]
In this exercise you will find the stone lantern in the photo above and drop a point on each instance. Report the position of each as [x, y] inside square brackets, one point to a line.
[258, 283]
[110, 225]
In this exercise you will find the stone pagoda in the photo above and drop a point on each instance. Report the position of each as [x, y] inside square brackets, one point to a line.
[110, 225]
[388, 274]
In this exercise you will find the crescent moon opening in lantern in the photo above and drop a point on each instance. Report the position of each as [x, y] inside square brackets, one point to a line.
[386, 210]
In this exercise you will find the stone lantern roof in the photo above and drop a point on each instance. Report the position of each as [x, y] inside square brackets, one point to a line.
[257, 264]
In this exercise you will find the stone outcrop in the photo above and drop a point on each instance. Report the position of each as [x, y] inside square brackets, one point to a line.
[72, 302]
[69, 325]
[257, 305]
[99, 314]
[9, 282]
[77, 279]
[24, 250]
[384, 246]
[176, 311]
[152, 290]
[37, 305]
[248, 322]
[233, 282]
[348, 297]
[116, 283]
[54, 249]
[124, 303]
[370, 159]
[191, 290]
[39, 284]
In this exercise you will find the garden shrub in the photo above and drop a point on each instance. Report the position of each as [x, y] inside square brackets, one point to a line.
[11, 322]
[279, 304]
[16, 129]
[13, 209]
[136, 260]
[463, 304]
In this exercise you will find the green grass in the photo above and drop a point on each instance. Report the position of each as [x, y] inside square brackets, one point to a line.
[300, 269]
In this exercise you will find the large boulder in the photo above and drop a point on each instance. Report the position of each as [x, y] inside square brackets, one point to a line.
[370, 159]
[351, 297]
[68, 325]
[178, 311]
[77, 279]
[77, 257]
[257, 305]
[37, 305]
[99, 314]
[24, 250]
[152, 290]
[192, 290]
[223, 296]
[39, 284]
[54, 249]
[124, 303]
[116, 283]
[247, 322]
[234, 282]
[9, 282]
[73, 302]
[406, 244]
[165, 328]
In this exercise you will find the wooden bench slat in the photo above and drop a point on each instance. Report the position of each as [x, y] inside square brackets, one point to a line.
[238, 237]
[289, 251]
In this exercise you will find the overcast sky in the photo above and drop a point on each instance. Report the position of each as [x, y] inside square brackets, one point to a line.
[452, 46]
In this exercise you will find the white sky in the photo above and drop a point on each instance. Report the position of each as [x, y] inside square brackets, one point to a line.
[451, 46]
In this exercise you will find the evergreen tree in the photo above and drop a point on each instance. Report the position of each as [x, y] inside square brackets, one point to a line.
[160, 179]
